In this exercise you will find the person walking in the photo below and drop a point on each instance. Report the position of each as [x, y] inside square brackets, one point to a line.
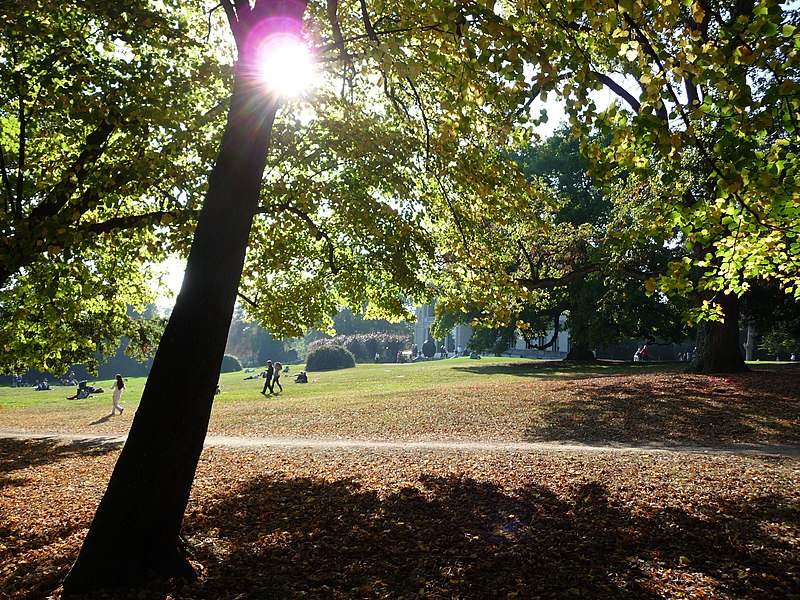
[268, 378]
[277, 377]
[116, 395]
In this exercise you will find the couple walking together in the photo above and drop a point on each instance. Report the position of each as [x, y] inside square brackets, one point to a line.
[273, 377]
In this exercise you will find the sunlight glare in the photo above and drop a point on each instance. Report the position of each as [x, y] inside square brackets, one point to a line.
[285, 65]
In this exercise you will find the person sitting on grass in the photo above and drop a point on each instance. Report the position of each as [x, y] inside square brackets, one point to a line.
[81, 394]
[301, 377]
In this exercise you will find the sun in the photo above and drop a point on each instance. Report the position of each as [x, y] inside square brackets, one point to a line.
[285, 65]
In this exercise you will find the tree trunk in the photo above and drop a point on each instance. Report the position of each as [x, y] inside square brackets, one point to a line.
[580, 352]
[750, 344]
[135, 532]
[718, 341]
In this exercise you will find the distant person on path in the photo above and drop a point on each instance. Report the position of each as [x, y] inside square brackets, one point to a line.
[276, 379]
[645, 353]
[116, 395]
[268, 378]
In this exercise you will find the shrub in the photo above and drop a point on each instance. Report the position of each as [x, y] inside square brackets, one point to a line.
[230, 364]
[329, 357]
[364, 346]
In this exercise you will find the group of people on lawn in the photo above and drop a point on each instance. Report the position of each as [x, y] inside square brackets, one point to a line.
[272, 377]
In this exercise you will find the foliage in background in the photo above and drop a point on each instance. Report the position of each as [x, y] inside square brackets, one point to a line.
[561, 268]
[107, 128]
[775, 317]
[230, 364]
[347, 322]
[329, 357]
[364, 346]
[253, 344]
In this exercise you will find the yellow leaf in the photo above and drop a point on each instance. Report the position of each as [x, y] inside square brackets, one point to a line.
[698, 12]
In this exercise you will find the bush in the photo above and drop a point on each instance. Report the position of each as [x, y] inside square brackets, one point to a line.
[364, 346]
[230, 364]
[329, 357]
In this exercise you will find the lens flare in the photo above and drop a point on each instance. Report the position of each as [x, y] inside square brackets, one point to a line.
[285, 65]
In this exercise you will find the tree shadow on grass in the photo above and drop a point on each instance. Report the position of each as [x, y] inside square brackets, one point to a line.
[17, 454]
[461, 538]
[756, 408]
[33, 579]
[560, 369]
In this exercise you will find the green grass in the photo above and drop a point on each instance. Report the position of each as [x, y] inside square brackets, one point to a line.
[368, 380]
[327, 390]
[495, 398]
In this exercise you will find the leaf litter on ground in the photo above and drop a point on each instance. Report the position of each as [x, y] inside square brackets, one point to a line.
[419, 523]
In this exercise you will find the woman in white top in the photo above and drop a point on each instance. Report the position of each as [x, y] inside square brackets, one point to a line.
[116, 394]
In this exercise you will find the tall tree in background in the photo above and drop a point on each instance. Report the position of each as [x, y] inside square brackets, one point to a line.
[704, 130]
[561, 265]
[702, 133]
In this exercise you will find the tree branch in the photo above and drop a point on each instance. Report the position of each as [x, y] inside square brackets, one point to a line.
[21, 150]
[312, 226]
[8, 201]
[251, 302]
[551, 282]
[367, 24]
[556, 325]
[134, 221]
[338, 39]
[93, 149]
[528, 257]
[424, 122]
[233, 21]
[618, 90]
[378, 34]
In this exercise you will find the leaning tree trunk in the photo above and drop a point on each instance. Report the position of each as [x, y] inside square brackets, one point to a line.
[718, 349]
[135, 531]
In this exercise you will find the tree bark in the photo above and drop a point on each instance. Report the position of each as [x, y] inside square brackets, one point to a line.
[580, 352]
[136, 529]
[750, 344]
[718, 348]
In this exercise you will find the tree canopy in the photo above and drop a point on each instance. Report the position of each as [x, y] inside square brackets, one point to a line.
[107, 119]
[700, 156]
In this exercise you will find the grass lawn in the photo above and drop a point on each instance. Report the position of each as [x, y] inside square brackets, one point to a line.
[296, 522]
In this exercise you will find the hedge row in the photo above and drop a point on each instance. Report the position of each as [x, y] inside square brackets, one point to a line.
[364, 346]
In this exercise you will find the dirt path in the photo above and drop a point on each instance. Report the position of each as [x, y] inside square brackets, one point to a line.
[433, 445]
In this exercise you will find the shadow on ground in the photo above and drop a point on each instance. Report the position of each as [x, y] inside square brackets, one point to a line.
[755, 408]
[467, 539]
[17, 454]
[457, 537]
[560, 369]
